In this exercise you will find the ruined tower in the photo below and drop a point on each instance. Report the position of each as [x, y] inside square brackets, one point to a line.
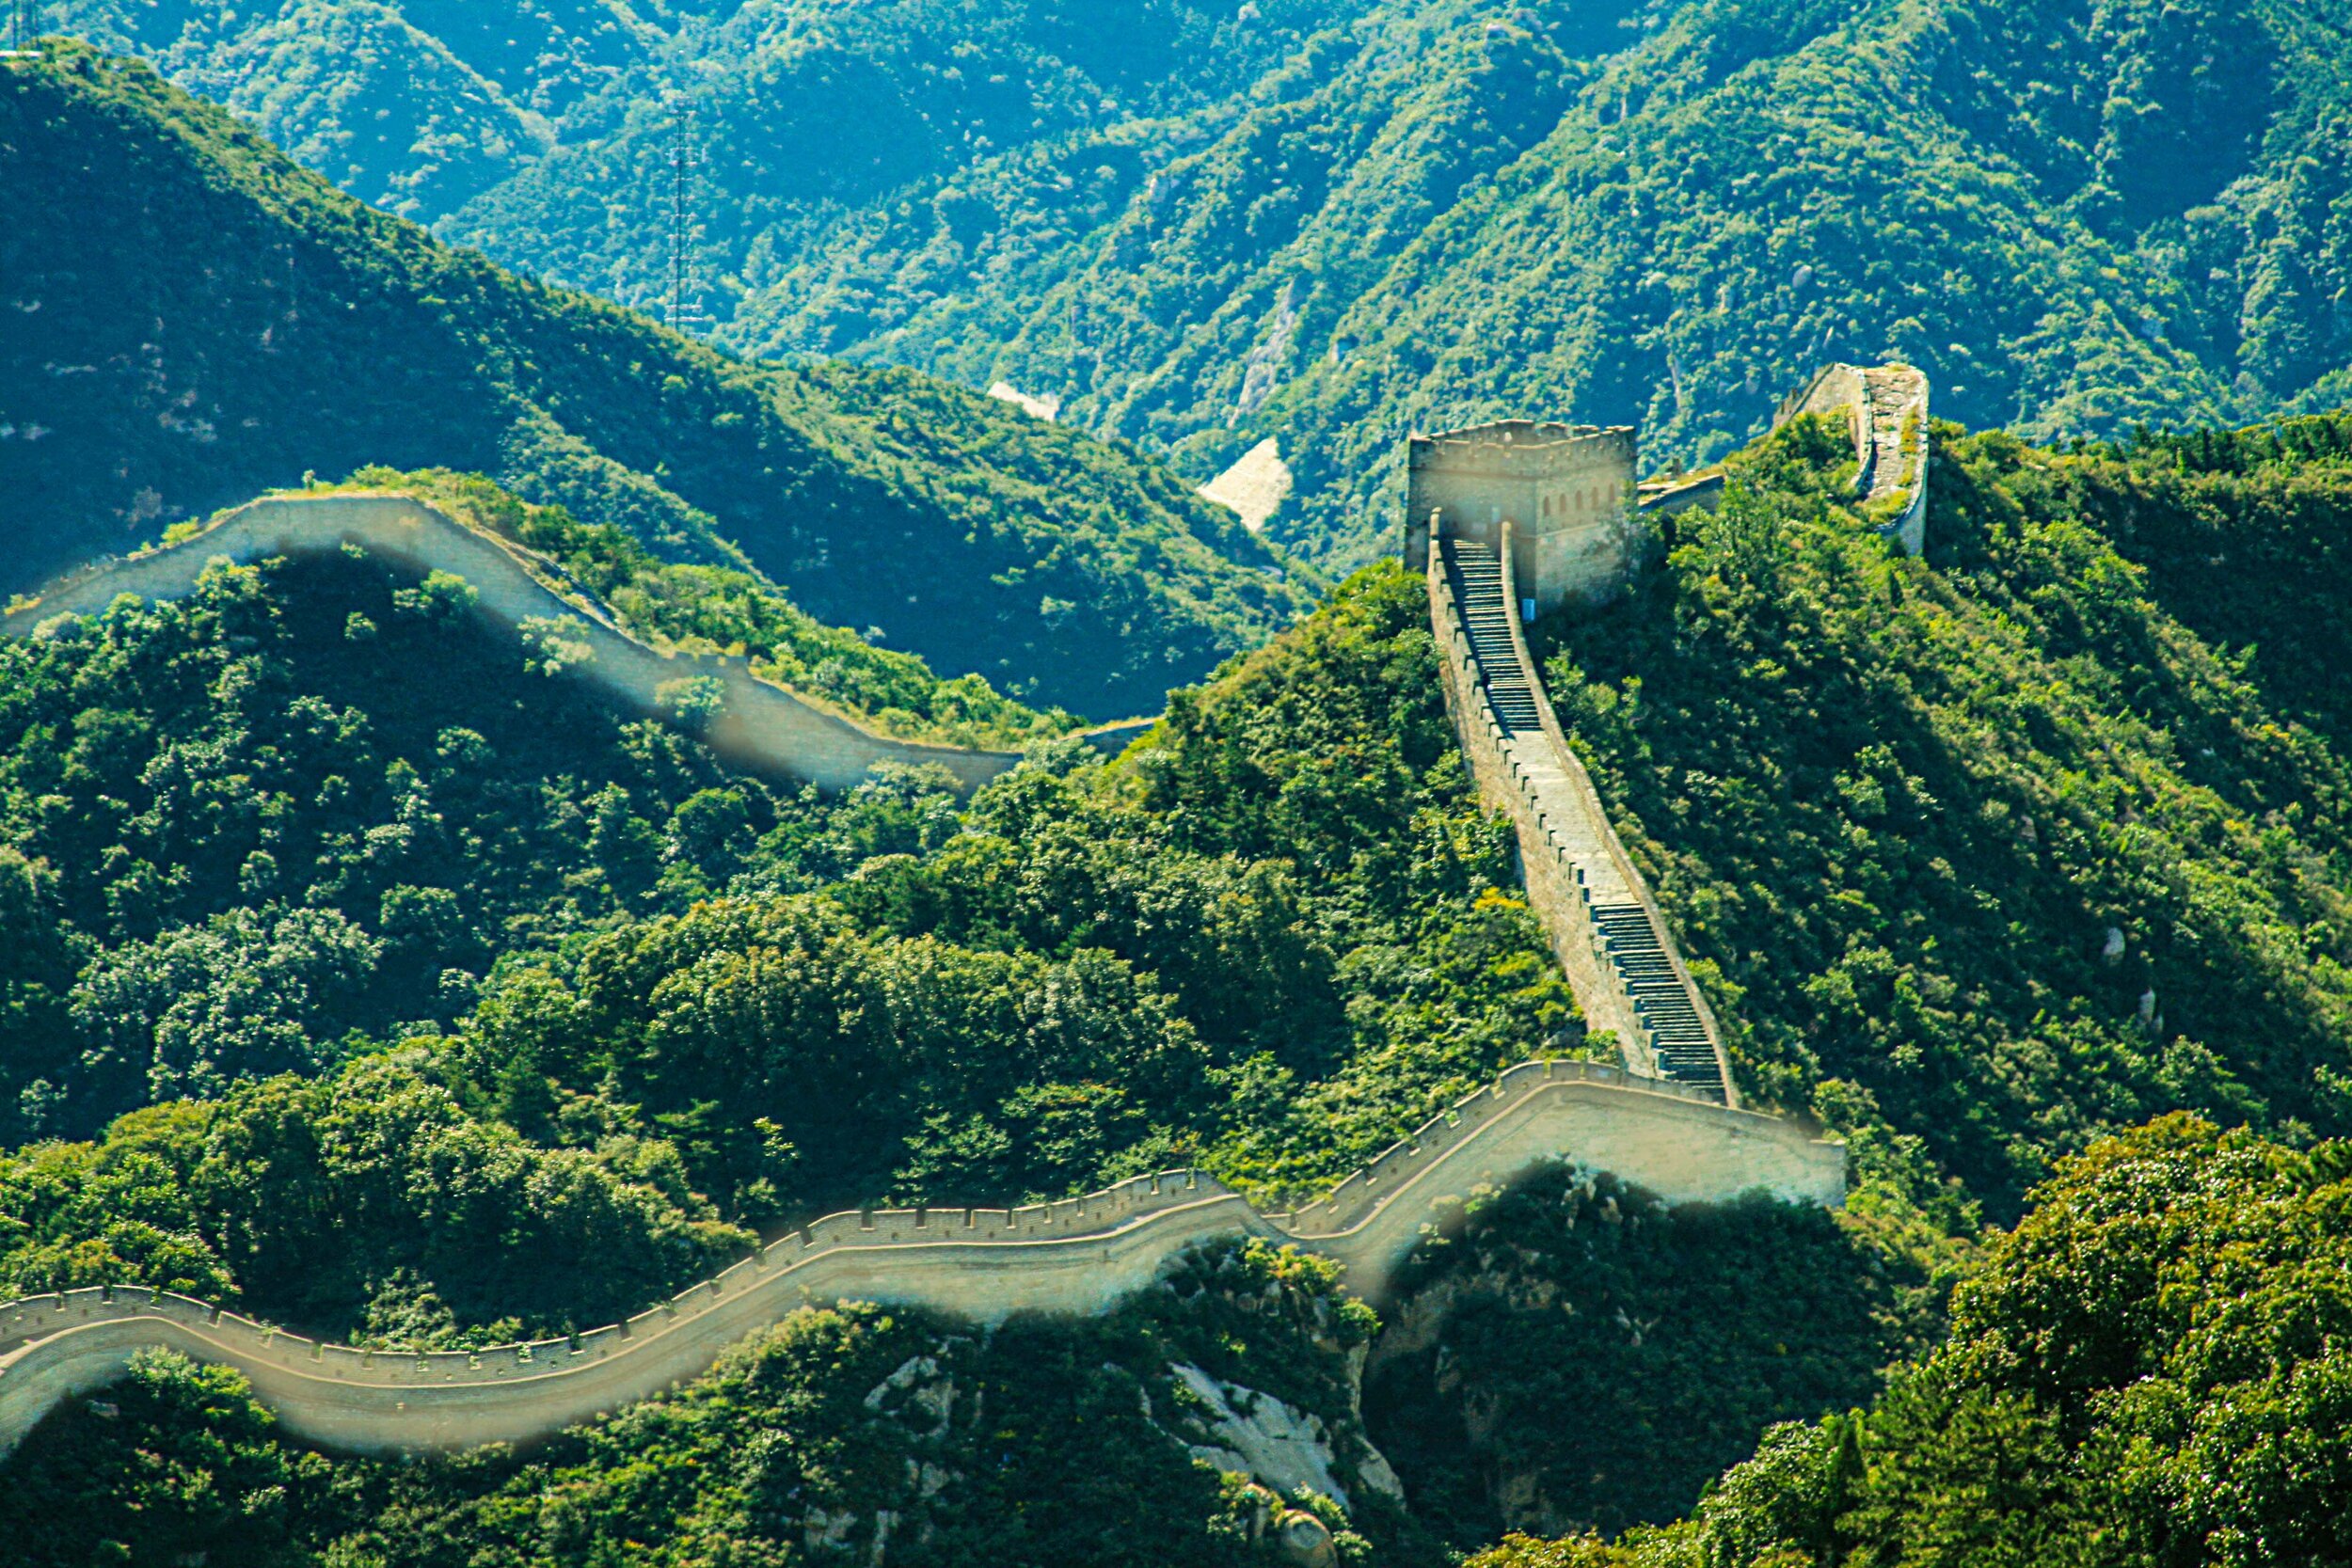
[1566, 491]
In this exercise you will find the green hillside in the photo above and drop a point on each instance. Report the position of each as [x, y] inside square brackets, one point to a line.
[367, 973]
[1894, 808]
[2072, 217]
[670, 604]
[1996, 845]
[414, 108]
[2144, 1372]
[1332, 221]
[217, 322]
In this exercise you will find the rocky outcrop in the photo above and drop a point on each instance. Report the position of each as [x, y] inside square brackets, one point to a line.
[1078, 1255]
[1254, 1433]
[1255, 488]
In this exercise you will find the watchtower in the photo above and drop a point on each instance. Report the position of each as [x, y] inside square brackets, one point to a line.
[1565, 489]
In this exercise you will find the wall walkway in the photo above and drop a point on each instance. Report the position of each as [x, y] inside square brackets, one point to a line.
[1078, 1255]
[1605, 926]
[1887, 408]
[763, 727]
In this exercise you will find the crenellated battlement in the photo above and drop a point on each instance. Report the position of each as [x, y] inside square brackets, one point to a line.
[1605, 926]
[1489, 512]
[1567, 493]
[1076, 1256]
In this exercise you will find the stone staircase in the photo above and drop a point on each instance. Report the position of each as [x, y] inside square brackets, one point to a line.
[1477, 574]
[1674, 1036]
[1678, 1038]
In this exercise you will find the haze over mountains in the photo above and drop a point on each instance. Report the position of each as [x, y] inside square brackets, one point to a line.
[226, 322]
[366, 970]
[1197, 225]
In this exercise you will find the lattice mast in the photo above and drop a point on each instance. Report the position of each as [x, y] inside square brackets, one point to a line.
[681, 311]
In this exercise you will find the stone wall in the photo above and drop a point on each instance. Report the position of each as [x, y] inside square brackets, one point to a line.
[1571, 859]
[1567, 490]
[762, 727]
[1074, 1257]
[1552, 889]
[1885, 408]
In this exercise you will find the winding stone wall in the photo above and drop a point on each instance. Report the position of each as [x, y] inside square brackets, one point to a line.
[1885, 407]
[1074, 1257]
[763, 726]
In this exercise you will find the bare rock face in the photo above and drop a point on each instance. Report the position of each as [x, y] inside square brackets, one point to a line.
[1255, 486]
[1258, 1434]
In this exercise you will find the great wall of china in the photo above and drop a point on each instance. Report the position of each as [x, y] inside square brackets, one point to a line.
[1885, 406]
[1668, 1120]
[762, 727]
[1077, 1256]
[1605, 926]
[1513, 519]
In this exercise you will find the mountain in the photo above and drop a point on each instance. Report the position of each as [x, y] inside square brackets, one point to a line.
[413, 107]
[2072, 217]
[1984, 857]
[1329, 223]
[216, 322]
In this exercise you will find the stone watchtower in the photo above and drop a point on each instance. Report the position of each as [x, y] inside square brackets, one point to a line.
[1565, 489]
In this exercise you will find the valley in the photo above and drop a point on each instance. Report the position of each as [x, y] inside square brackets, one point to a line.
[1330, 784]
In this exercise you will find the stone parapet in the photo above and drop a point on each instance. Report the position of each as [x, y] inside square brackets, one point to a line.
[761, 727]
[1078, 1255]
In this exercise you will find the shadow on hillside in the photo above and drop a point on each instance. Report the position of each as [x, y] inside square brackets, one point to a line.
[1573, 1354]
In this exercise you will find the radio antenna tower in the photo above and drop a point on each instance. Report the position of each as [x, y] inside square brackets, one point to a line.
[23, 27]
[682, 313]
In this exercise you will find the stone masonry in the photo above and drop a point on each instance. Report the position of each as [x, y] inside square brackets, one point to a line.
[760, 726]
[1566, 491]
[1077, 1256]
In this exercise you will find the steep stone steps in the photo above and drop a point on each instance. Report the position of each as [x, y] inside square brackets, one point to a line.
[1679, 1035]
[1662, 1004]
[1477, 575]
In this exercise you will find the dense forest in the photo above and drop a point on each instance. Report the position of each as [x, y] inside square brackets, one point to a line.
[230, 323]
[2145, 1371]
[365, 968]
[419, 1023]
[309, 816]
[1331, 221]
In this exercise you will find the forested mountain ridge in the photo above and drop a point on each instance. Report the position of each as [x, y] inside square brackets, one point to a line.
[1462, 219]
[1331, 222]
[1858, 780]
[214, 321]
[1264, 942]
